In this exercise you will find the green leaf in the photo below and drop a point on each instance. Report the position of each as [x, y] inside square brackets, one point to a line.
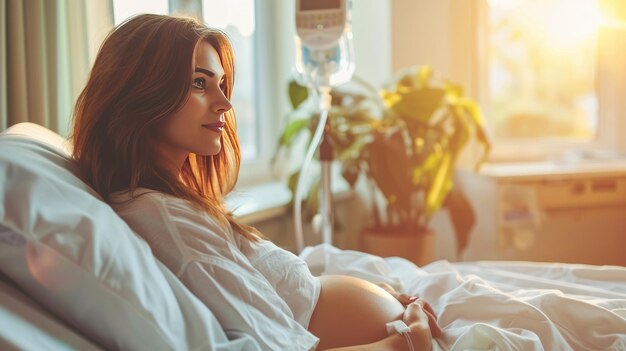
[292, 182]
[440, 186]
[473, 110]
[454, 91]
[417, 104]
[462, 215]
[352, 151]
[297, 94]
[350, 172]
[292, 129]
[461, 134]
[406, 80]
[390, 167]
[424, 74]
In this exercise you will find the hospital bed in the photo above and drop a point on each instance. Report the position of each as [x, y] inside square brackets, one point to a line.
[73, 276]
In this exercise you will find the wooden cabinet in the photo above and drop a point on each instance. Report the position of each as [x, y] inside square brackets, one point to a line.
[541, 212]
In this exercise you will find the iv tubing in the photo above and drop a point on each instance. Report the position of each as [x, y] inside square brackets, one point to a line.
[324, 101]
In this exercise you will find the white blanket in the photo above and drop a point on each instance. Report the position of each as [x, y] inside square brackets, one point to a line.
[503, 305]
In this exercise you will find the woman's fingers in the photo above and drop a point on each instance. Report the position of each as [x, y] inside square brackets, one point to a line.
[417, 312]
[404, 299]
[416, 309]
[414, 313]
[426, 305]
[418, 321]
[432, 323]
[429, 309]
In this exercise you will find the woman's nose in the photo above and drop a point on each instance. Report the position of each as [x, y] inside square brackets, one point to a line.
[222, 104]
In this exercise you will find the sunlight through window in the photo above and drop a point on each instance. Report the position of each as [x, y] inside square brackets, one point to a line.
[542, 68]
[122, 9]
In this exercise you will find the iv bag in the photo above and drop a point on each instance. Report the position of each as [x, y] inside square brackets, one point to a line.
[325, 67]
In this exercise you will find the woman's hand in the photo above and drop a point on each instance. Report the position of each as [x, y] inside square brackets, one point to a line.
[422, 331]
[406, 300]
[420, 325]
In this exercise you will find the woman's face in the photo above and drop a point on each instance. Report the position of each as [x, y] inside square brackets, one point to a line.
[197, 127]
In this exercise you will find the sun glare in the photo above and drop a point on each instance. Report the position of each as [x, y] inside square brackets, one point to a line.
[569, 23]
[236, 13]
[542, 67]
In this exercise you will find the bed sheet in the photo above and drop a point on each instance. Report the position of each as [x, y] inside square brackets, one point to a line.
[502, 305]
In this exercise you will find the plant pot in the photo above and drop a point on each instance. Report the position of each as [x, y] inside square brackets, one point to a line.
[418, 248]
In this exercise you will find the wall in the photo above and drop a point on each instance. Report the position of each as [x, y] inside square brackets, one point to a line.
[419, 34]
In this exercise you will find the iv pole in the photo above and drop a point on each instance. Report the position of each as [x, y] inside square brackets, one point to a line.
[326, 203]
[325, 59]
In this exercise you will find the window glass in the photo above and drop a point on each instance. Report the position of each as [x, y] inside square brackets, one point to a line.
[122, 9]
[542, 57]
[236, 18]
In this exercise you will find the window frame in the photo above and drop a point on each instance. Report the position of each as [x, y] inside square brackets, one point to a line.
[273, 51]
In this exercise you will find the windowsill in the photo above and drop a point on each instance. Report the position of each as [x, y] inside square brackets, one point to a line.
[555, 169]
[260, 202]
[270, 200]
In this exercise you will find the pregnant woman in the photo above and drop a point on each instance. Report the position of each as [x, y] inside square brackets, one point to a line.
[154, 134]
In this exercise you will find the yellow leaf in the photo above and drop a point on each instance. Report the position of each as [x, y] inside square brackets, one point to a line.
[441, 185]
[424, 74]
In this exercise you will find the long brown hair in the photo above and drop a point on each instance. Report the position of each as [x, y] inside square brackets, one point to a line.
[141, 76]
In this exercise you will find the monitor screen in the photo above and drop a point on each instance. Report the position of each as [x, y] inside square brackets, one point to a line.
[308, 5]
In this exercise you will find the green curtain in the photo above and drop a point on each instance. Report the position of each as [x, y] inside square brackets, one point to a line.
[46, 47]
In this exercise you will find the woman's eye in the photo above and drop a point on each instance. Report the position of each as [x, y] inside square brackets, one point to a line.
[199, 83]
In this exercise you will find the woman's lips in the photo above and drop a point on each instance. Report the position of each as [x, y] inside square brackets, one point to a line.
[217, 127]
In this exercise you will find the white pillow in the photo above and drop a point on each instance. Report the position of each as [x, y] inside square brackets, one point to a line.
[32, 328]
[71, 253]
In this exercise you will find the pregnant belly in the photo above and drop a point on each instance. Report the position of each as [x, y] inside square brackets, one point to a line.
[352, 311]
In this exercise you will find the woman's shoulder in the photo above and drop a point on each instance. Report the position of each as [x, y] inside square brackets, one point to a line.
[127, 196]
[126, 200]
[155, 208]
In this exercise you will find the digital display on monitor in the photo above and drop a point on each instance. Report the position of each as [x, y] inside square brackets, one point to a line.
[309, 5]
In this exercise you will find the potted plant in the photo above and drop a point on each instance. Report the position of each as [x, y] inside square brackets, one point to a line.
[405, 140]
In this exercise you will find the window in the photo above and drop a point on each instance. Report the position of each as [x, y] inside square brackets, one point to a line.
[549, 76]
[124, 9]
[542, 69]
[237, 19]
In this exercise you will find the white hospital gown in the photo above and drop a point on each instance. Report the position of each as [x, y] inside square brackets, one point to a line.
[255, 289]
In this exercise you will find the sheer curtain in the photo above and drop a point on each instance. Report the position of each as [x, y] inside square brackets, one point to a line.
[46, 47]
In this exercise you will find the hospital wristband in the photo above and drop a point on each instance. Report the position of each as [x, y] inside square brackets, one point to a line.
[399, 327]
